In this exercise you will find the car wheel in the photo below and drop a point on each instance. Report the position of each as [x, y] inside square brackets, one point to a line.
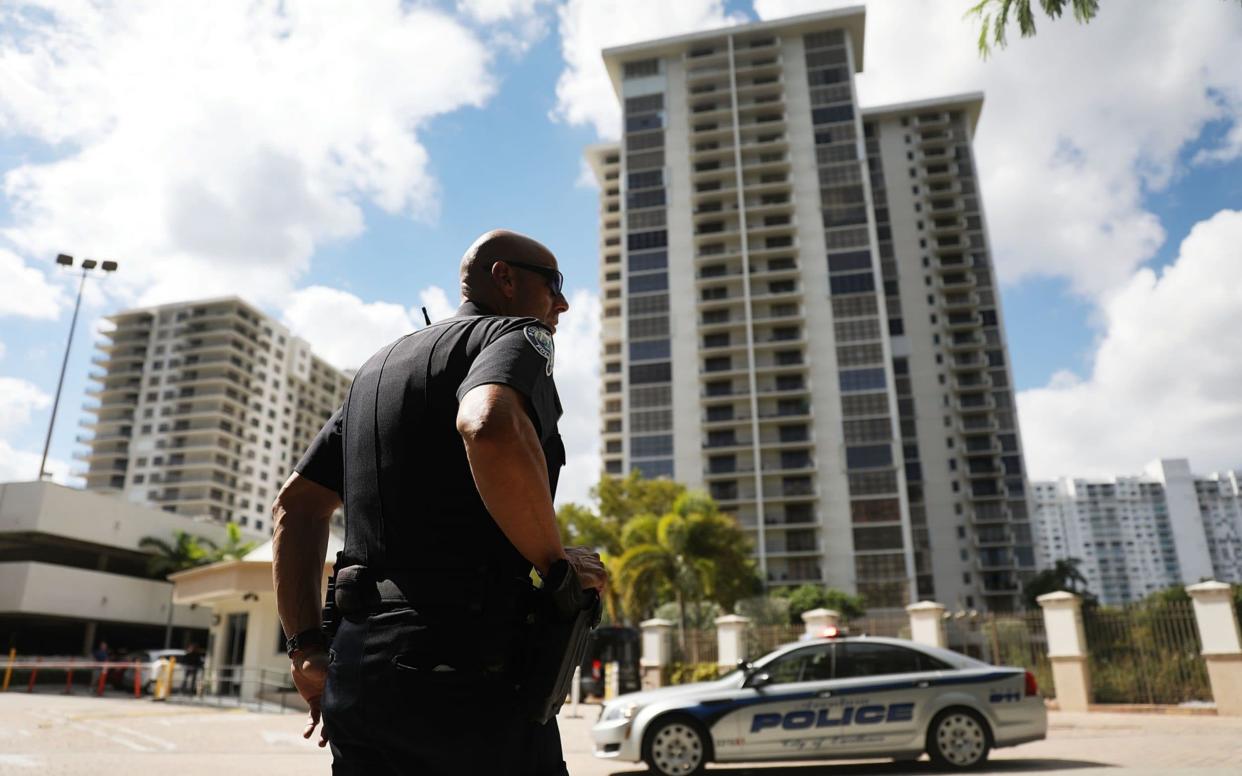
[958, 739]
[676, 746]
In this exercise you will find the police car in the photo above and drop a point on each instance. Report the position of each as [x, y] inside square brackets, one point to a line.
[829, 698]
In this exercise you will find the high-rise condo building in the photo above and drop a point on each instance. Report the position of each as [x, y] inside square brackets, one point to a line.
[203, 408]
[1134, 536]
[800, 314]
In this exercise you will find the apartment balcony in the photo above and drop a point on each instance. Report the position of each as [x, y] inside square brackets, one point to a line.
[963, 281]
[715, 56]
[732, 347]
[964, 342]
[765, 343]
[971, 381]
[707, 130]
[718, 109]
[758, 231]
[996, 562]
[712, 170]
[717, 475]
[738, 421]
[961, 321]
[992, 536]
[745, 66]
[945, 225]
[113, 392]
[974, 402]
[929, 138]
[946, 206]
[959, 301]
[988, 470]
[763, 86]
[785, 414]
[940, 187]
[721, 151]
[980, 445]
[932, 121]
[776, 549]
[978, 424]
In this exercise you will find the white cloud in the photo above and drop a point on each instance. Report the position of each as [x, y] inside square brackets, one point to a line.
[586, 177]
[436, 300]
[577, 381]
[493, 11]
[584, 94]
[1166, 375]
[1078, 122]
[213, 146]
[27, 292]
[19, 399]
[341, 327]
[2, 349]
[346, 330]
[19, 402]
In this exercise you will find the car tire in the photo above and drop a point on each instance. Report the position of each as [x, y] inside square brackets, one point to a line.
[676, 746]
[958, 739]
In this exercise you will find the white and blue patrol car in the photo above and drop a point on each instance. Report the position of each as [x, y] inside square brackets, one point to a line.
[829, 698]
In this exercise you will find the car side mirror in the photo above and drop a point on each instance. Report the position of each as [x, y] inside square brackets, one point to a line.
[761, 679]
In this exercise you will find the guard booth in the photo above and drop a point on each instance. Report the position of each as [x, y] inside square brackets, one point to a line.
[610, 646]
[245, 656]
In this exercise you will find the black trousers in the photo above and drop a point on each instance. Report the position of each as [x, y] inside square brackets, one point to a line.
[384, 717]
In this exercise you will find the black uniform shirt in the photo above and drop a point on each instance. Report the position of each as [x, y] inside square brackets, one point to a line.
[430, 506]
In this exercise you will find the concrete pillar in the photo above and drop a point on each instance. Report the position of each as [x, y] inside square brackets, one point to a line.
[1067, 649]
[927, 624]
[730, 641]
[1222, 645]
[819, 620]
[656, 651]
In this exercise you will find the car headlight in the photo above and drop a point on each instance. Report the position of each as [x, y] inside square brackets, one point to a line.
[619, 711]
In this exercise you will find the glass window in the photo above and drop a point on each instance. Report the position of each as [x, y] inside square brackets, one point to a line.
[803, 665]
[856, 659]
[862, 380]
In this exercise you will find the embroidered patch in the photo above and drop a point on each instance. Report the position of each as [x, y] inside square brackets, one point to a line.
[541, 341]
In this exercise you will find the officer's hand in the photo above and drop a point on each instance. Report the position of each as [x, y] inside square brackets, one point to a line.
[310, 672]
[589, 567]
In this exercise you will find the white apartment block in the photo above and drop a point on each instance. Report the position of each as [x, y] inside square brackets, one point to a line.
[800, 314]
[203, 408]
[1137, 535]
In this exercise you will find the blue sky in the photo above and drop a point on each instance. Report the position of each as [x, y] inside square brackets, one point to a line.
[487, 120]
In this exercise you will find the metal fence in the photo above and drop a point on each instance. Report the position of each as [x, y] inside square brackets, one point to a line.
[1009, 639]
[1145, 654]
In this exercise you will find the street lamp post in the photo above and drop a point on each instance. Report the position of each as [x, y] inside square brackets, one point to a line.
[87, 265]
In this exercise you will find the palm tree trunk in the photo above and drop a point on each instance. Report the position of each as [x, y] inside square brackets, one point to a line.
[681, 622]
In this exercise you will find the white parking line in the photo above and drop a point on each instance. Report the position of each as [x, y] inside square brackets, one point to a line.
[21, 760]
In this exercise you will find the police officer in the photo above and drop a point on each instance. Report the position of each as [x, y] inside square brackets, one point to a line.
[446, 457]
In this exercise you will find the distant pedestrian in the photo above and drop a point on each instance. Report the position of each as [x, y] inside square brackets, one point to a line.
[98, 655]
[193, 663]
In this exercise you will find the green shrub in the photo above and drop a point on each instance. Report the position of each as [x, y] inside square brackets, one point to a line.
[687, 673]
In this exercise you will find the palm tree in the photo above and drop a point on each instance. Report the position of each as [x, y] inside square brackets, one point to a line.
[689, 554]
[994, 15]
[233, 548]
[185, 552]
[1064, 575]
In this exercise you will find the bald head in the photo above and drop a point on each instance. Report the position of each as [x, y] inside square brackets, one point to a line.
[497, 245]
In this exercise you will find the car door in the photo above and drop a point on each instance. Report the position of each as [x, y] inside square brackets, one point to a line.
[880, 691]
[778, 715]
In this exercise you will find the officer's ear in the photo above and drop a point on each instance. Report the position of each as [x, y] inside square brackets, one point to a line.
[504, 279]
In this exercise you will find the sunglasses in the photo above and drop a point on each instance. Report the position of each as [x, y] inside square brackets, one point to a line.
[556, 281]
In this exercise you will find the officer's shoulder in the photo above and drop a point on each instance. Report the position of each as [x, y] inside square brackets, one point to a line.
[501, 325]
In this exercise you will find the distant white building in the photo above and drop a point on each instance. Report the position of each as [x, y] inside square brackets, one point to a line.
[203, 408]
[1137, 535]
[72, 573]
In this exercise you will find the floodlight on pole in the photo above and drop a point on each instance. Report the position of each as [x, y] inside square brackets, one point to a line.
[66, 260]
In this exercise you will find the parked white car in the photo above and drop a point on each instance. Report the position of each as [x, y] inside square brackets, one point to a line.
[825, 699]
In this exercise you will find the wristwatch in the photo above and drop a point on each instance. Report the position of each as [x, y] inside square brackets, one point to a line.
[311, 637]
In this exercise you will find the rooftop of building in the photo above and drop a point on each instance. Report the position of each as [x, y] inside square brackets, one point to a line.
[969, 102]
[852, 19]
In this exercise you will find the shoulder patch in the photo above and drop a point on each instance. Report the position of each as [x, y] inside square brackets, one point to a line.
[541, 341]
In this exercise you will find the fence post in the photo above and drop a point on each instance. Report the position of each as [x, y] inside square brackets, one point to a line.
[656, 650]
[1222, 646]
[927, 624]
[819, 620]
[1067, 649]
[730, 641]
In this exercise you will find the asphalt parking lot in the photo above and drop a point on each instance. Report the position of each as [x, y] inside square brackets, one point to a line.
[57, 734]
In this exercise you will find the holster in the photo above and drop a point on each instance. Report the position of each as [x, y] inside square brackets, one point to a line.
[564, 616]
[331, 619]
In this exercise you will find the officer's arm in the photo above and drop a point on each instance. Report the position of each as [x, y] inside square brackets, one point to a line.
[300, 520]
[510, 471]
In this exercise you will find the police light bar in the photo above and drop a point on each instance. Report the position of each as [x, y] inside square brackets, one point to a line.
[831, 632]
